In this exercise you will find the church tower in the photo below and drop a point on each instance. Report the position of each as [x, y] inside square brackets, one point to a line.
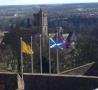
[41, 21]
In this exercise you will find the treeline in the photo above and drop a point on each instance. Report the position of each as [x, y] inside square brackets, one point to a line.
[73, 23]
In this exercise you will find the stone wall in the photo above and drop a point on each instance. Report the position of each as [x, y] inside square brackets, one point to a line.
[8, 81]
[49, 82]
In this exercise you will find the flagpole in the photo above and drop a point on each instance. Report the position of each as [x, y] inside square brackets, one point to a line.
[57, 60]
[57, 56]
[31, 57]
[49, 59]
[41, 55]
[21, 60]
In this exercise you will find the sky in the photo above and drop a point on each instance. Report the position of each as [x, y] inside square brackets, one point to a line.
[24, 2]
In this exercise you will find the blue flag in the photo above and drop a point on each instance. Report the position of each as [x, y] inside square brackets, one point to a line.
[54, 44]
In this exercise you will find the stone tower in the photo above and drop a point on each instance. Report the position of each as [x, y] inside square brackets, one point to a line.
[41, 21]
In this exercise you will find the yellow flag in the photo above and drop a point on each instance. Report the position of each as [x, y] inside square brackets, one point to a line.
[25, 48]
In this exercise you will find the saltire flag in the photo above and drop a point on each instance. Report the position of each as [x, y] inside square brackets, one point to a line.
[25, 48]
[59, 41]
[54, 44]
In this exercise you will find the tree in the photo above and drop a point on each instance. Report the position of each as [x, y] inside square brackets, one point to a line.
[8, 61]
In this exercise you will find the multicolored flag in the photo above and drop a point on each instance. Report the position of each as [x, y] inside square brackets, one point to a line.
[59, 41]
[65, 42]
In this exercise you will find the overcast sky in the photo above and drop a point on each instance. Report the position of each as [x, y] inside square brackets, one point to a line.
[23, 2]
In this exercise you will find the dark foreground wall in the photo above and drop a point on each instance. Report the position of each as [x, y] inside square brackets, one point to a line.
[47, 82]
[38, 82]
[8, 81]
